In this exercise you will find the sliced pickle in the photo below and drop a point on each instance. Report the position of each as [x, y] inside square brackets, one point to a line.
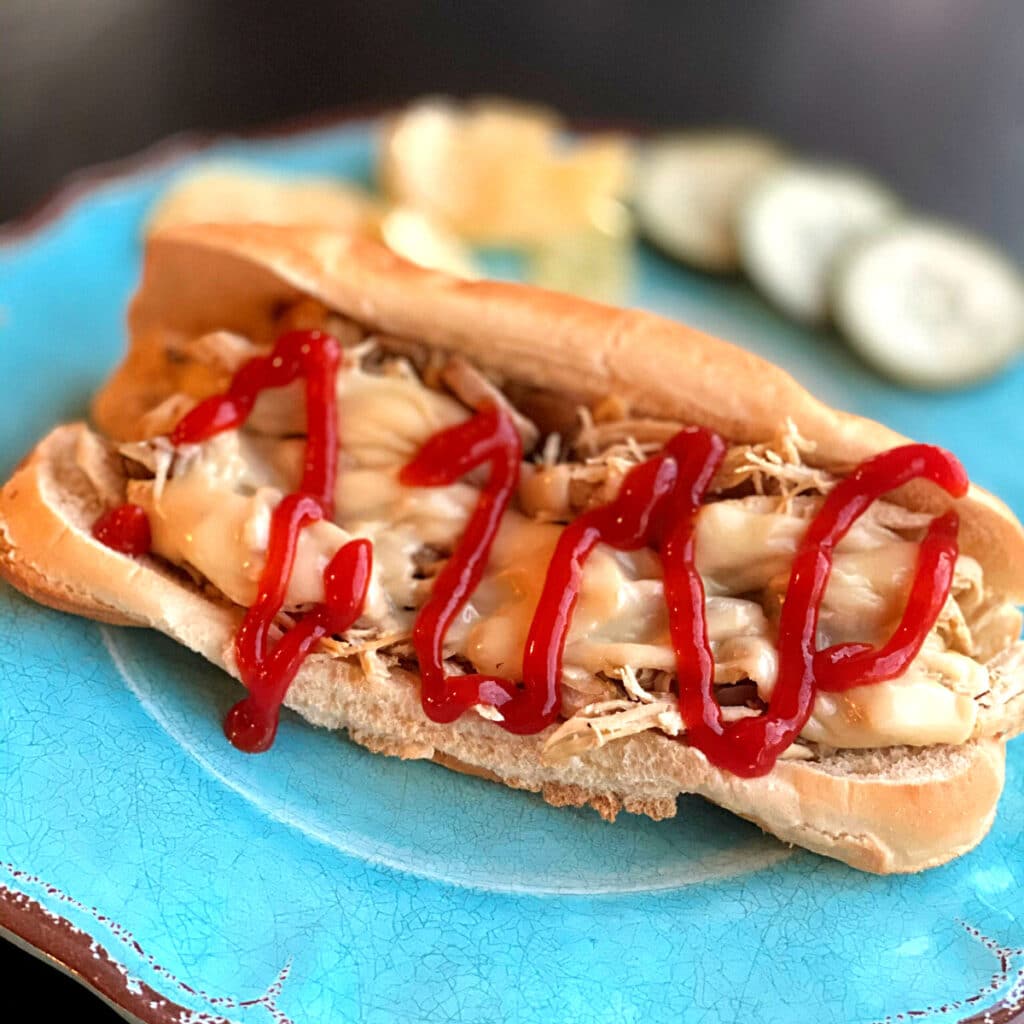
[929, 305]
[595, 262]
[795, 222]
[689, 187]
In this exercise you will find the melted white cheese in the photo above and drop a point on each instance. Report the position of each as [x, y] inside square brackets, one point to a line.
[214, 513]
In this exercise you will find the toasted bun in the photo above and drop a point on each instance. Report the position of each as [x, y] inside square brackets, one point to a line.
[884, 811]
[238, 277]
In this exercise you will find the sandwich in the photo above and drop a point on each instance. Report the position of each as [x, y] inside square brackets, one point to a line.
[581, 551]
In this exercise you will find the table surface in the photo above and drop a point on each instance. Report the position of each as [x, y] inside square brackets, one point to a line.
[927, 95]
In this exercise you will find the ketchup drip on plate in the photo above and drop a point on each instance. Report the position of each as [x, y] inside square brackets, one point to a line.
[125, 529]
[657, 507]
[313, 355]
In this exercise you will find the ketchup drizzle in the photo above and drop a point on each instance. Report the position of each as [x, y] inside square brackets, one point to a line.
[750, 746]
[656, 506]
[125, 529]
[488, 438]
[668, 486]
[252, 723]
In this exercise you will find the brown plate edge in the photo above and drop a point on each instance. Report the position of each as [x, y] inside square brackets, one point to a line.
[56, 941]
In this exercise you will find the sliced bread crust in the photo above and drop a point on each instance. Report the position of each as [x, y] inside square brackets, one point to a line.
[239, 277]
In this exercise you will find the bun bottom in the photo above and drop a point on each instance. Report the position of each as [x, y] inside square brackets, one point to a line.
[884, 811]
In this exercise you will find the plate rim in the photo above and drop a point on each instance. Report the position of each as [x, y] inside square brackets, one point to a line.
[54, 940]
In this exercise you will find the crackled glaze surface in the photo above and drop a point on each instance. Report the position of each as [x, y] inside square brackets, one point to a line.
[318, 882]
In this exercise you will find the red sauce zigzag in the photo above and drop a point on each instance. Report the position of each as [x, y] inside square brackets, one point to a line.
[656, 507]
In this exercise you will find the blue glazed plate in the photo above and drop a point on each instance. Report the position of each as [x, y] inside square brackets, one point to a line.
[318, 882]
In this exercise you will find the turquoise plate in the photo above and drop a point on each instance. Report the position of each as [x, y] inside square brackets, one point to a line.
[318, 882]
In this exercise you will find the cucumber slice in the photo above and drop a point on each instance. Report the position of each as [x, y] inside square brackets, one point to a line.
[794, 223]
[929, 305]
[688, 188]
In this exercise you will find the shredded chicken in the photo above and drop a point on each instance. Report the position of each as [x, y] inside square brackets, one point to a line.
[995, 625]
[163, 418]
[632, 686]
[603, 722]
[356, 642]
[551, 453]
[952, 627]
[1001, 707]
[373, 666]
[94, 459]
[580, 688]
[798, 751]
[776, 467]
[472, 387]
[156, 455]
[595, 437]
[611, 448]
[597, 724]
[972, 651]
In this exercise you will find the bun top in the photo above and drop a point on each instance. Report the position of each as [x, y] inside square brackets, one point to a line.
[200, 278]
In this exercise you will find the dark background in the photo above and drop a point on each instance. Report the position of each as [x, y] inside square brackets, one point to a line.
[929, 94]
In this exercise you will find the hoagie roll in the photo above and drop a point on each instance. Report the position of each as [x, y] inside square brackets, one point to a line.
[887, 774]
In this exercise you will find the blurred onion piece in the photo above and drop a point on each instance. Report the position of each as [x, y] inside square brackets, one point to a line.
[929, 305]
[794, 223]
[688, 189]
[499, 173]
[226, 193]
[595, 262]
[416, 237]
